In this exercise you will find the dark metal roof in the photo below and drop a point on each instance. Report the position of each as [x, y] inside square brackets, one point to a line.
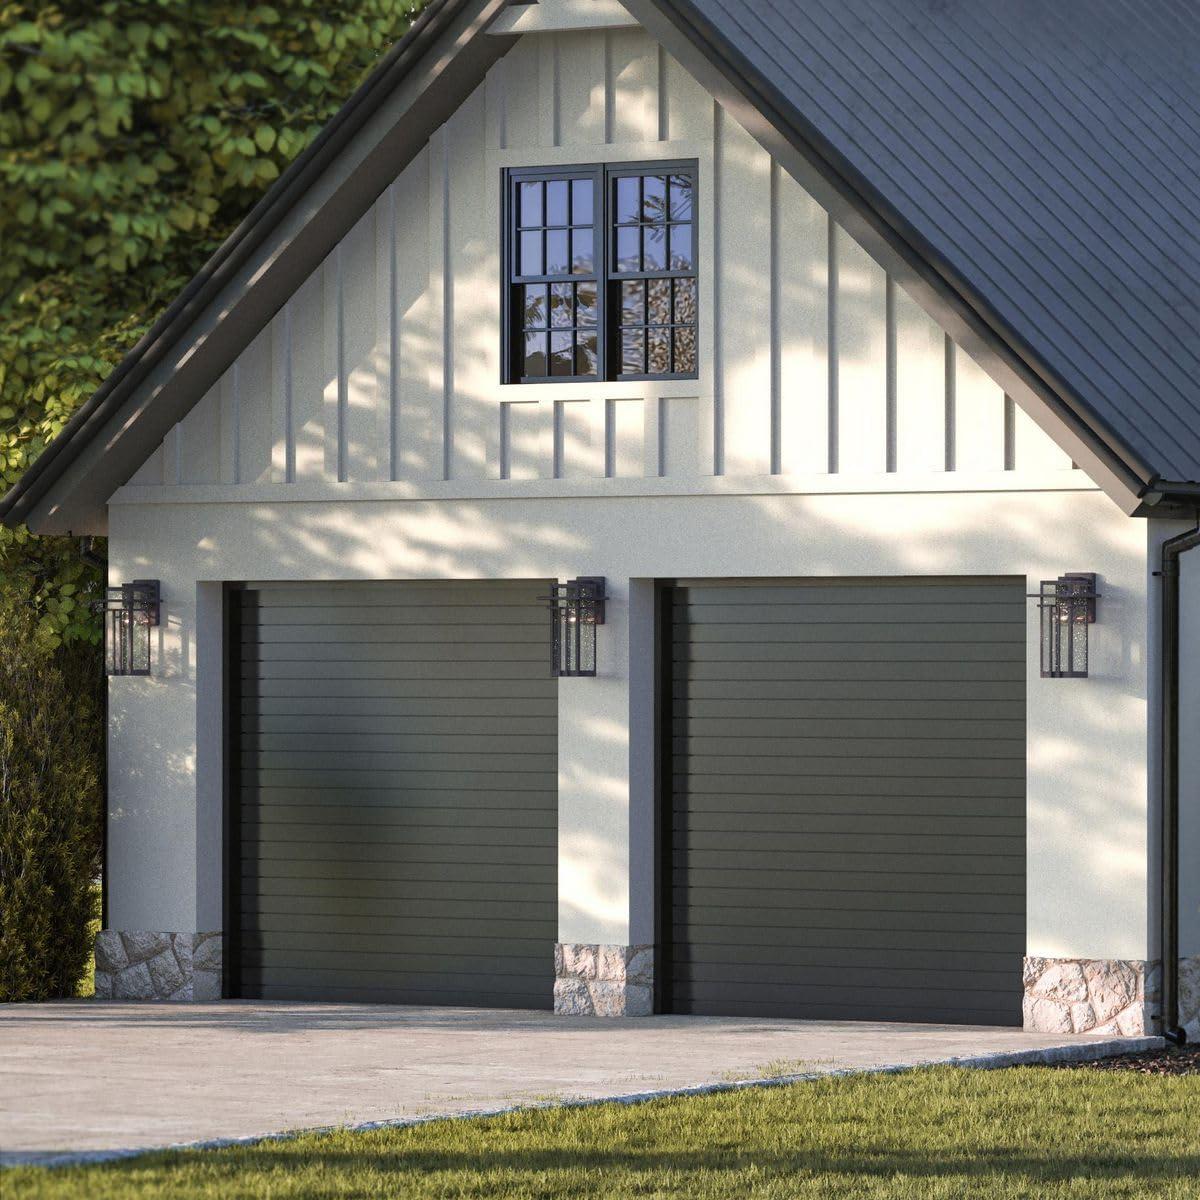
[1045, 156]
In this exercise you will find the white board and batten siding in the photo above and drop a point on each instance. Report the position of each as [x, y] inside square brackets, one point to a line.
[385, 365]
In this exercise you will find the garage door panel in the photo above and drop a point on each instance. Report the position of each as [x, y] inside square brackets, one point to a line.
[905, 934]
[848, 799]
[908, 724]
[844, 822]
[364, 896]
[839, 672]
[853, 767]
[397, 776]
[340, 777]
[383, 816]
[925, 844]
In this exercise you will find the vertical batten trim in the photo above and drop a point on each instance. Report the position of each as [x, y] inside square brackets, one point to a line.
[664, 98]
[176, 440]
[718, 464]
[776, 302]
[388, 327]
[556, 453]
[289, 419]
[556, 90]
[1010, 433]
[609, 89]
[951, 406]
[890, 369]
[505, 441]
[447, 316]
[342, 390]
[831, 335]
[610, 439]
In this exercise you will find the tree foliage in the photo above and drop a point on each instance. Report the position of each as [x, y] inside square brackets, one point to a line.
[50, 791]
[134, 135]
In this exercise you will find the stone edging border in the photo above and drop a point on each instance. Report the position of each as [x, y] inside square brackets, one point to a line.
[1109, 1048]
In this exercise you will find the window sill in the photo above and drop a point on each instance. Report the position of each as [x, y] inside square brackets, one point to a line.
[589, 389]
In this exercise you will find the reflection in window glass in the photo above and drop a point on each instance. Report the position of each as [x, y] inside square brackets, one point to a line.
[563, 295]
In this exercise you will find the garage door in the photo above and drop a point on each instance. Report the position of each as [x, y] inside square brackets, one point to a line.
[848, 800]
[396, 775]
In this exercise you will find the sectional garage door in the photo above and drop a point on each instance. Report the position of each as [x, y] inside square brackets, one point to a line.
[396, 783]
[847, 808]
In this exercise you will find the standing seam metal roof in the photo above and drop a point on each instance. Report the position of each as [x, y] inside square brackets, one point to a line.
[1049, 151]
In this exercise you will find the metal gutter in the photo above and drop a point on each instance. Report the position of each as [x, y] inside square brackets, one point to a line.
[1169, 699]
[232, 255]
[888, 223]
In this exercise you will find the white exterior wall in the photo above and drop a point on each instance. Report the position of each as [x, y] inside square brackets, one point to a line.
[834, 431]
[1189, 755]
[385, 365]
[1087, 783]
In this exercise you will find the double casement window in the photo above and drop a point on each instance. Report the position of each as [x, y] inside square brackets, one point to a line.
[600, 273]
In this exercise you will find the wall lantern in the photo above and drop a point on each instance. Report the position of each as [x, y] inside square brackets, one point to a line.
[130, 612]
[576, 608]
[1067, 606]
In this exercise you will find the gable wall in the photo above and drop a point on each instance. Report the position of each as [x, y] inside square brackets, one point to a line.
[385, 365]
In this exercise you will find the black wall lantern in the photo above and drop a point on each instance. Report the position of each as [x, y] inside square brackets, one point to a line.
[1066, 606]
[576, 608]
[130, 612]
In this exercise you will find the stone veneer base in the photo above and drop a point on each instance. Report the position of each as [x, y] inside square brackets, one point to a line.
[158, 966]
[1099, 995]
[592, 980]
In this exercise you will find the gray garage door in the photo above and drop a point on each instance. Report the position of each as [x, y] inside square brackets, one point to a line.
[397, 787]
[848, 815]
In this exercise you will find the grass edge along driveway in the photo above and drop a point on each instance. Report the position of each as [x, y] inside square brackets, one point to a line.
[941, 1132]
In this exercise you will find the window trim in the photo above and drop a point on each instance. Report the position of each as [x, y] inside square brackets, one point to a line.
[608, 281]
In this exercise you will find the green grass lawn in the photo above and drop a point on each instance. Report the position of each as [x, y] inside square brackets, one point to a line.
[1029, 1132]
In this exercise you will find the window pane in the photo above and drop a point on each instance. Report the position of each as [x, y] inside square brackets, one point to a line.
[558, 255]
[535, 355]
[561, 354]
[660, 302]
[681, 248]
[531, 254]
[560, 305]
[558, 195]
[655, 258]
[654, 198]
[685, 302]
[585, 353]
[628, 250]
[585, 304]
[633, 352]
[629, 199]
[685, 351]
[681, 198]
[659, 345]
[582, 252]
[534, 316]
[633, 303]
[582, 196]
[530, 203]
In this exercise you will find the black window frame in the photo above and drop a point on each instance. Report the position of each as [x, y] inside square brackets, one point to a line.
[608, 279]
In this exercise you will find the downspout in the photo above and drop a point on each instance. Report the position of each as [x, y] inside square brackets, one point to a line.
[1172, 549]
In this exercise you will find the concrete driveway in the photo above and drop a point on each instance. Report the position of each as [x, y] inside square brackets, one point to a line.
[96, 1078]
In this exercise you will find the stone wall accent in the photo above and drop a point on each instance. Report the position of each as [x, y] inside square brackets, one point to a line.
[158, 966]
[603, 981]
[1189, 996]
[1091, 995]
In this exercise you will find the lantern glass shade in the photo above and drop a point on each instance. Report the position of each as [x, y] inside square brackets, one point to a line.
[131, 610]
[1067, 606]
[576, 609]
